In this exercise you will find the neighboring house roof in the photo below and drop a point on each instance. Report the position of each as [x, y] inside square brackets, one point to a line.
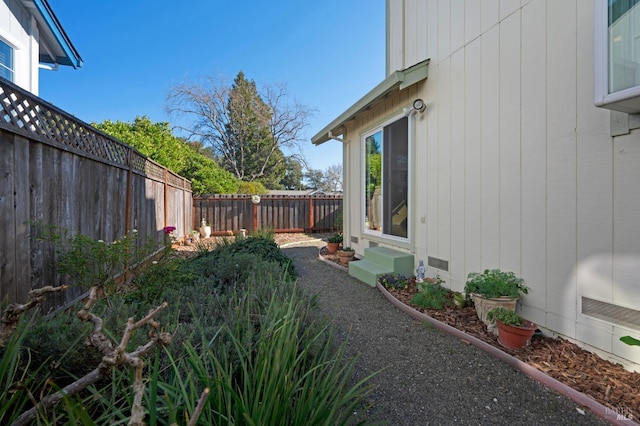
[55, 46]
[396, 80]
[301, 192]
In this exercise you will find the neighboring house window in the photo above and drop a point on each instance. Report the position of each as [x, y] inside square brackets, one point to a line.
[6, 61]
[386, 193]
[618, 55]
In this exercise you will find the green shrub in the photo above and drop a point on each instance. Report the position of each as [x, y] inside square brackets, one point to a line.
[394, 281]
[59, 342]
[263, 248]
[431, 296]
[239, 326]
[493, 283]
[289, 374]
[506, 316]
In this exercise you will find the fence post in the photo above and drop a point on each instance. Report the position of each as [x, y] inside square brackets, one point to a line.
[166, 193]
[311, 216]
[255, 216]
[127, 202]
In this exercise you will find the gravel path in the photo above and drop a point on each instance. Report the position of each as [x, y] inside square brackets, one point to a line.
[428, 377]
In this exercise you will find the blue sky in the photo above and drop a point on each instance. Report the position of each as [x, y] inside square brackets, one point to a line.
[329, 53]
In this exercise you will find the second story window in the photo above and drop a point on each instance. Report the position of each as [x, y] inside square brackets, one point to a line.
[6, 61]
[618, 55]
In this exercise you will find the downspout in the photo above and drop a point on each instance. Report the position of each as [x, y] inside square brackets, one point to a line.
[410, 113]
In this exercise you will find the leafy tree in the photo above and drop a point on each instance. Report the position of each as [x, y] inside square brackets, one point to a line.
[251, 188]
[333, 178]
[329, 180]
[247, 129]
[314, 178]
[156, 141]
[293, 175]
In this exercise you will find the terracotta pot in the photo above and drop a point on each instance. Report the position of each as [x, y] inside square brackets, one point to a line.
[345, 256]
[483, 305]
[513, 337]
[332, 247]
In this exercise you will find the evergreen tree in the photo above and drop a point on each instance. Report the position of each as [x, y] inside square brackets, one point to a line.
[252, 153]
[293, 175]
[248, 130]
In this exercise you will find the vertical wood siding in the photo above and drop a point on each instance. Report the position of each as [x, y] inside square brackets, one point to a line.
[522, 170]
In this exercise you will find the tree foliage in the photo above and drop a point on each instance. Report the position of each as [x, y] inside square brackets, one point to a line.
[293, 175]
[329, 180]
[156, 141]
[248, 129]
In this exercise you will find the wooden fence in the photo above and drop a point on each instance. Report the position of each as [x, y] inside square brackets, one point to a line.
[229, 213]
[57, 170]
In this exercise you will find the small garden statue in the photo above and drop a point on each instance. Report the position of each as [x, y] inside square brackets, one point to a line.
[420, 272]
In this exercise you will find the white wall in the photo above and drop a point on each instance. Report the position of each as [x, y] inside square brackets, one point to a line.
[521, 171]
[18, 29]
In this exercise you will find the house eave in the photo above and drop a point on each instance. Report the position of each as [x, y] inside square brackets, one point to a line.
[397, 80]
[58, 48]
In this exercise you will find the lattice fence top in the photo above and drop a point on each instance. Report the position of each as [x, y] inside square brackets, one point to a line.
[33, 117]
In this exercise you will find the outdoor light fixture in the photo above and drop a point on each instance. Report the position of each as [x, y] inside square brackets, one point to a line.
[419, 105]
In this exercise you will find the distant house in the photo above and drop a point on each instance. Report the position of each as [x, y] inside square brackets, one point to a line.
[507, 135]
[302, 192]
[31, 37]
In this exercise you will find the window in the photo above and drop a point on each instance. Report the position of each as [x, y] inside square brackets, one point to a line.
[6, 61]
[618, 55]
[386, 189]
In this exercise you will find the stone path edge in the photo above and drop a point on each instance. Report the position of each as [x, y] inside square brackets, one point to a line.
[594, 406]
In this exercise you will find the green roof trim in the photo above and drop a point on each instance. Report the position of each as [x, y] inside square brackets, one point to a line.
[397, 80]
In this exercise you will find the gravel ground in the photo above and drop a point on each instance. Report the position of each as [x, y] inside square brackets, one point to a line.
[426, 377]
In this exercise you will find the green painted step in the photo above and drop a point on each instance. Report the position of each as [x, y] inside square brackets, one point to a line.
[399, 262]
[378, 261]
[367, 271]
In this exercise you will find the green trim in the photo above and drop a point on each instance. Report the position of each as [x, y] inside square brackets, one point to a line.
[398, 80]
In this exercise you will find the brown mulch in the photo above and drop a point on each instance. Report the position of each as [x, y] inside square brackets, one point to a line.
[606, 382]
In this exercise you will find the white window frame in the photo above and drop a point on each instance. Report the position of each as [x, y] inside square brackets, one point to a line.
[363, 192]
[627, 100]
[12, 52]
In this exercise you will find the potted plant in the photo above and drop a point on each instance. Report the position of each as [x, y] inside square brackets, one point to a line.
[333, 243]
[514, 332]
[346, 255]
[492, 288]
[194, 236]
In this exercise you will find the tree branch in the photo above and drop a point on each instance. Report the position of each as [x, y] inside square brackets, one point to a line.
[112, 357]
[14, 311]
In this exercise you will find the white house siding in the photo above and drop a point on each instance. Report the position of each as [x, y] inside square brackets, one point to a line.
[514, 166]
[16, 24]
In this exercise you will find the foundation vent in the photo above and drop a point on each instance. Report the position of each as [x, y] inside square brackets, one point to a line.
[443, 265]
[614, 314]
[354, 240]
[373, 244]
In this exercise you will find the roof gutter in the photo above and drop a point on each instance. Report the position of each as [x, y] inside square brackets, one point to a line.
[397, 80]
[44, 14]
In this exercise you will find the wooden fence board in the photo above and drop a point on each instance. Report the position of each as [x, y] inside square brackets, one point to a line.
[230, 213]
[59, 171]
[7, 253]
